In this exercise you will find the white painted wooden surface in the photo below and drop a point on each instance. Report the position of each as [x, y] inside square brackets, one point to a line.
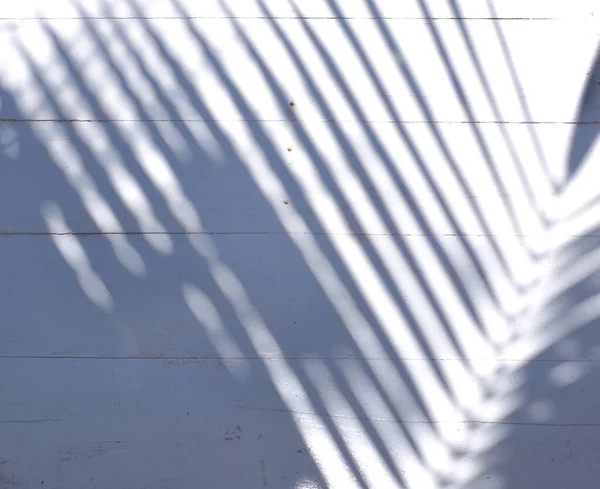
[299, 245]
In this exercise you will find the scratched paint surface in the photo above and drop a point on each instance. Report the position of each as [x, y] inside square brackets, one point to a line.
[323, 244]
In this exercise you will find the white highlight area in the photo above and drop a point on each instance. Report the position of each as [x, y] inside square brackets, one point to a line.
[75, 256]
[208, 316]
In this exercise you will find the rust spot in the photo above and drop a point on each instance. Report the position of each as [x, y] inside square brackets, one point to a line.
[292, 104]
[289, 149]
[286, 202]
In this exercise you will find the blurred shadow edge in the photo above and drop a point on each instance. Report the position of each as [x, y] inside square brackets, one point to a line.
[587, 124]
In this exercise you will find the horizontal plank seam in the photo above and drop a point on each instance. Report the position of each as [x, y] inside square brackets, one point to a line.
[379, 121]
[290, 17]
[29, 421]
[278, 358]
[387, 420]
[285, 233]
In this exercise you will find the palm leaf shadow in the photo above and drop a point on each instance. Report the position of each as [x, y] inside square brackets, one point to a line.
[587, 121]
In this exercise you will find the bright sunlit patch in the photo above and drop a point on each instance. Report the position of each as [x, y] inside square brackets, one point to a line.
[354, 431]
[486, 436]
[541, 411]
[127, 255]
[320, 443]
[74, 254]
[207, 315]
[160, 172]
[126, 186]
[366, 277]
[435, 453]
[10, 145]
[567, 373]
[204, 246]
[308, 484]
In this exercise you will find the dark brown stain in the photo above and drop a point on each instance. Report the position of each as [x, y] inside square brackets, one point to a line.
[289, 149]
[286, 202]
[292, 103]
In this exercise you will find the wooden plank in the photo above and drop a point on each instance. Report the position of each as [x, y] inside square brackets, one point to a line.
[115, 296]
[68, 420]
[129, 388]
[307, 8]
[168, 296]
[339, 177]
[397, 70]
